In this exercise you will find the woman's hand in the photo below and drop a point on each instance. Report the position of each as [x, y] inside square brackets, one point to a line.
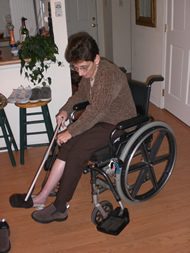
[63, 137]
[61, 116]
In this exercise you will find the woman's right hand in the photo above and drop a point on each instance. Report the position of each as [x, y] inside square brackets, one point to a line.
[61, 116]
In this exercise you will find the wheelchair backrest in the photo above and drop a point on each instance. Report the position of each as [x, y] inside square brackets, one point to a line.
[141, 96]
[141, 93]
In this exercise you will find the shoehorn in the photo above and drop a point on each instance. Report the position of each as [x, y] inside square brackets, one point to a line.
[43, 162]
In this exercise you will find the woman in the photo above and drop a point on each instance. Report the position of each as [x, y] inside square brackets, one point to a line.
[106, 88]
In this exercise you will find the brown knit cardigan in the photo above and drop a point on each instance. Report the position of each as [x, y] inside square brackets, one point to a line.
[110, 99]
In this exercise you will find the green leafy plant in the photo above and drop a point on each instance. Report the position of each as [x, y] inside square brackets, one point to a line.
[36, 54]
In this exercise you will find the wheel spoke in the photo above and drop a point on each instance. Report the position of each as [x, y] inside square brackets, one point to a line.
[161, 159]
[140, 180]
[144, 152]
[157, 145]
[153, 178]
[137, 166]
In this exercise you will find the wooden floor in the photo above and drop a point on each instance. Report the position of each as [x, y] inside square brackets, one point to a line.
[161, 225]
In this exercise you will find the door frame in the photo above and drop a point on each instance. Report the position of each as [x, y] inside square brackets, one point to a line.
[100, 29]
[165, 11]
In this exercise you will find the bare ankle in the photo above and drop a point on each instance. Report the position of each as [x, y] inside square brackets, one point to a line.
[39, 200]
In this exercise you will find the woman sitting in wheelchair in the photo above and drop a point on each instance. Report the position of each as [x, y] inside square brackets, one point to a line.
[106, 88]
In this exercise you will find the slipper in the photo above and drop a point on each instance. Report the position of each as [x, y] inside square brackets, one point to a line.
[18, 200]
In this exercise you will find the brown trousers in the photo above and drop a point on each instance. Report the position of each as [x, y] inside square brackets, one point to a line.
[76, 153]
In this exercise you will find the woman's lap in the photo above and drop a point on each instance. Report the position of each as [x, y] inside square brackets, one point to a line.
[86, 143]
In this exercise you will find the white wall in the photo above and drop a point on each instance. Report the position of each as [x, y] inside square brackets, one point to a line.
[108, 30]
[148, 51]
[121, 23]
[61, 82]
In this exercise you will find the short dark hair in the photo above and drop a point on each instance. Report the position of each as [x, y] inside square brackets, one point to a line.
[81, 47]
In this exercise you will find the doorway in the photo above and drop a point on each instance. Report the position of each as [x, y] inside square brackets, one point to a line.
[177, 81]
[81, 16]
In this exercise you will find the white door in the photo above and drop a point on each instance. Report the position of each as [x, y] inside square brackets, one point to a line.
[177, 80]
[81, 17]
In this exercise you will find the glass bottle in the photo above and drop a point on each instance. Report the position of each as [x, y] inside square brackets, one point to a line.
[12, 37]
[13, 45]
[24, 33]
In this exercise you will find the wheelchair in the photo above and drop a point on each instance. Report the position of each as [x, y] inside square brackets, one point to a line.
[135, 166]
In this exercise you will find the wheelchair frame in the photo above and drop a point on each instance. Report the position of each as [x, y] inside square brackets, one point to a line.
[135, 153]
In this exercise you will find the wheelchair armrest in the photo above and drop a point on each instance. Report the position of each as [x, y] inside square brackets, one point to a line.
[80, 106]
[77, 108]
[132, 122]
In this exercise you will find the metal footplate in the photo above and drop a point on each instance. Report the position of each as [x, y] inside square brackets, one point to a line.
[114, 223]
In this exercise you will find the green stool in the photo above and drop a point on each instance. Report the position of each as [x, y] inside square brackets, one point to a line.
[24, 122]
[8, 136]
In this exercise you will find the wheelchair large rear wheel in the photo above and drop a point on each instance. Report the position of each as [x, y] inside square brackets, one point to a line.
[148, 161]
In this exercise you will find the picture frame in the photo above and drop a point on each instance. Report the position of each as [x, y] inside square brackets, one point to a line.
[145, 12]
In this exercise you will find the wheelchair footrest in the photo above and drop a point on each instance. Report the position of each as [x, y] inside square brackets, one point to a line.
[114, 224]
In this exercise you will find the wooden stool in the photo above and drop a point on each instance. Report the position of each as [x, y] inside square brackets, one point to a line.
[8, 136]
[23, 125]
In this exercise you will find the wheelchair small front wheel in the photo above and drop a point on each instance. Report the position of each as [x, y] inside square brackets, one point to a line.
[96, 216]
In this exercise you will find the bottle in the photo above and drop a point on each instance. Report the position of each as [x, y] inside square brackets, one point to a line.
[13, 45]
[24, 31]
[12, 38]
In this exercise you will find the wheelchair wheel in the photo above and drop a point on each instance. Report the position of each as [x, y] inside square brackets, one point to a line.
[96, 216]
[149, 158]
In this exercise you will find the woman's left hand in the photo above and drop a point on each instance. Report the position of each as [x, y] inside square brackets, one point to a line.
[63, 137]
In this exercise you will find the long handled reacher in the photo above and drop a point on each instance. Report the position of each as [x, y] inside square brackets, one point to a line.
[25, 200]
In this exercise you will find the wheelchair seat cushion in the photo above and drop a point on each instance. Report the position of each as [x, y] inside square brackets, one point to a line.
[101, 156]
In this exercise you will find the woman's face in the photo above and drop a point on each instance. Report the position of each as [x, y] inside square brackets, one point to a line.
[86, 68]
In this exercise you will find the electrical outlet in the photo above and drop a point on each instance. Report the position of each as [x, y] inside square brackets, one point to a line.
[58, 9]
